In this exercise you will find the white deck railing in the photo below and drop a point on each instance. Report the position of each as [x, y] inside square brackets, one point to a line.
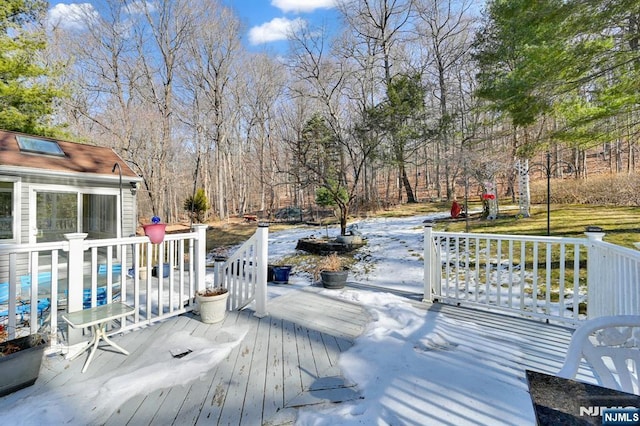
[244, 274]
[613, 279]
[561, 279]
[159, 281]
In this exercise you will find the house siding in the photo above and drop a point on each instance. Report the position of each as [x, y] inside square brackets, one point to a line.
[73, 183]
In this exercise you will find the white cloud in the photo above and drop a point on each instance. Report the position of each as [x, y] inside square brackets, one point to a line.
[275, 30]
[299, 6]
[71, 16]
[140, 7]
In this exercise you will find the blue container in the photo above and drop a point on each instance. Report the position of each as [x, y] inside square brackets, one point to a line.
[281, 274]
[165, 270]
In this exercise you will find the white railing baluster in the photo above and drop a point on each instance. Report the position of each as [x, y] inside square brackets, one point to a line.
[548, 283]
[523, 269]
[487, 274]
[510, 275]
[499, 271]
[477, 268]
[466, 267]
[561, 279]
[576, 279]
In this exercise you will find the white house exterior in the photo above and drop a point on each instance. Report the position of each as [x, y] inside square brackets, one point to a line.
[49, 188]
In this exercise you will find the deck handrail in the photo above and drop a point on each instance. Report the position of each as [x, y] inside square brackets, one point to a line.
[613, 278]
[80, 272]
[550, 278]
[244, 273]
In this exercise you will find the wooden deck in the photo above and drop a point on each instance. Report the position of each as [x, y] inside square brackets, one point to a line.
[286, 360]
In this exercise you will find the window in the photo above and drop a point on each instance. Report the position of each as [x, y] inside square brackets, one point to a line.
[39, 146]
[7, 218]
[56, 215]
[99, 215]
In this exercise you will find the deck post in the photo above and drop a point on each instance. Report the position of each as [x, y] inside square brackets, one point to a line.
[261, 278]
[75, 282]
[598, 297]
[429, 258]
[200, 256]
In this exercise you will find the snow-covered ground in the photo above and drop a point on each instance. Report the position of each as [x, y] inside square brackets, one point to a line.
[411, 366]
[392, 257]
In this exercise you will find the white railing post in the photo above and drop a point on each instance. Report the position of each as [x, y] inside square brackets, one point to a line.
[75, 282]
[429, 258]
[200, 257]
[596, 292]
[218, 266]
[261, 279]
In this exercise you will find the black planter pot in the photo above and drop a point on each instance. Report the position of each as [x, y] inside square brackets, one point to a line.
[334, 279]
[20, 369]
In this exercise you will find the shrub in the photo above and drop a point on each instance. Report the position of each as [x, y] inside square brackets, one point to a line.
[198, 205]
[614, 190]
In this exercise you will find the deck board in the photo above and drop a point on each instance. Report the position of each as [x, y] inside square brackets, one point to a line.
[274, 380]
[286, 360]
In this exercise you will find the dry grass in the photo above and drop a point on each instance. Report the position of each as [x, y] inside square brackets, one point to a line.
[331, 263]
[603, 190]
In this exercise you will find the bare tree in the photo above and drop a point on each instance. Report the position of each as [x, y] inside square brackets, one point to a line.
[330, 154]
[208, 72]
[383, 26]
[445, 27]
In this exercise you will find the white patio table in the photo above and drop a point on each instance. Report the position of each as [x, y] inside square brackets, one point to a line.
[97, 318]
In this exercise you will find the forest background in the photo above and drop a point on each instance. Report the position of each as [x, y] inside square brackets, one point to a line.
[411, 100]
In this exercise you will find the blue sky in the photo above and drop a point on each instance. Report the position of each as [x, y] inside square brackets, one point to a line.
[268, 21]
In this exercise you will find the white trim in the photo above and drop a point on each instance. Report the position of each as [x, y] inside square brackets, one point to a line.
[19, 170]
[15, 208]
[68, 189]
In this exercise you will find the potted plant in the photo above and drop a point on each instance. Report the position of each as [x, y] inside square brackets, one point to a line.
[20, 361]
[155, 230]
[281, 273]
[331, 271]
[212, 303]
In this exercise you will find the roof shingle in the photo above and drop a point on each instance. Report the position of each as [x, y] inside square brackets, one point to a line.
[79, 158]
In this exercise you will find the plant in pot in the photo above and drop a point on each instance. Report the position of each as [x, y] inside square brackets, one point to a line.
[212, 303]
[331, 271]
[281, 273]
[20, 361]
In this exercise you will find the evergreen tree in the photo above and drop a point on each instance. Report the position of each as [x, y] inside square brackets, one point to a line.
[26, 95]
[197, 205]
[576, 61]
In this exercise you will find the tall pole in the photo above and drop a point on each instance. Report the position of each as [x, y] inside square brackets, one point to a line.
[547, 169]
[117, 166]
[548, 193]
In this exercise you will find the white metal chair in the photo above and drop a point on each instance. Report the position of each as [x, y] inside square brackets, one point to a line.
[611, 346]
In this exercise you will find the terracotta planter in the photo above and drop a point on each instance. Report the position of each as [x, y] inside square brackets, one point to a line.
[155, 232]
[212, 308]
[20, 369]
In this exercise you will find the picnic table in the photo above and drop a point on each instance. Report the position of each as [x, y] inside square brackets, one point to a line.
[97, 318]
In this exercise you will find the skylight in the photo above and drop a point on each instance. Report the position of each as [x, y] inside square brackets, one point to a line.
[39, 146]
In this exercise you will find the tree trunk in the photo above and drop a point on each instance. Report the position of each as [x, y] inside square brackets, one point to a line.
[407, 186]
